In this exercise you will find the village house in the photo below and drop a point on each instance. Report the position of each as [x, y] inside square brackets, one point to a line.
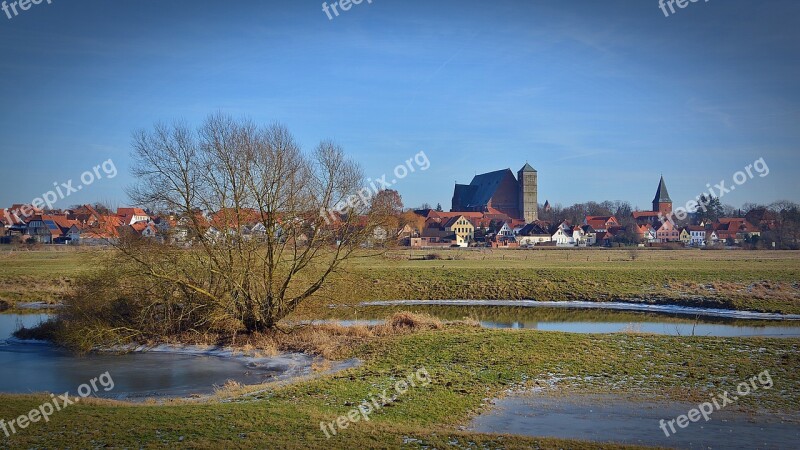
[534, 233]
[735, 230]
[85, 214]
[601, 223]
[563, 235]
[503, 236]
[645, 233]
[463, 230]
[144, 229]
[130, 216]
[684, 236]
[697, 235]
[104, 231]
[48, 229]
[666, 231]
[589, 235]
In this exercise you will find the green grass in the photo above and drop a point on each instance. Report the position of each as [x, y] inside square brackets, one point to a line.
[46, 276]
[758, 281]
[466, 367]
[750, 280]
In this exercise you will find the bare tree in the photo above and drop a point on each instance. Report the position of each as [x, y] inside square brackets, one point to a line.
[268, 224]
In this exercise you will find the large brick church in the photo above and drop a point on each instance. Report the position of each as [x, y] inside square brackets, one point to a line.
[501, 192]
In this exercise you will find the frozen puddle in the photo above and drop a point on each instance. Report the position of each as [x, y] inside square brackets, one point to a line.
[163, 371]
[609, 418]
[618, 306]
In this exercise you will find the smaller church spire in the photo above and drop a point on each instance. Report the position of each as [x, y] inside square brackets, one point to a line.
[662, 196]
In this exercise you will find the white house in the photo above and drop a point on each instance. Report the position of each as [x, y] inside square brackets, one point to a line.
[533, 234]
[589, 235]
[697, 234]
[579, 236]
[131, 216]
[505, 230]
[563, 237]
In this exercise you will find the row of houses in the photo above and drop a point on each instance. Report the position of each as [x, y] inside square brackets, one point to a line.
[465, 229]
[80, 226]
[492, 227]
[86, 226]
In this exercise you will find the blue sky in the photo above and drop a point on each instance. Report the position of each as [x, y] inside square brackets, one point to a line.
[601, 97]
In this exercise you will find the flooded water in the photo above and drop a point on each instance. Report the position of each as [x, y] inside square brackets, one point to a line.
[583, 320]
[31, 367]
[607, 418]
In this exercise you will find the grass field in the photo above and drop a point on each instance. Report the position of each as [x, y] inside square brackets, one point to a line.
[466, 366]
[44, 276]
[760, 281]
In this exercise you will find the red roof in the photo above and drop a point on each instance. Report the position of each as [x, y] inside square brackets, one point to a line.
[601, 222]
[131, 212]
[638, 214]
[62, 224]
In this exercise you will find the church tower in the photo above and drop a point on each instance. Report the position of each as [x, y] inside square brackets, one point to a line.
[662, 203]
[528, 193]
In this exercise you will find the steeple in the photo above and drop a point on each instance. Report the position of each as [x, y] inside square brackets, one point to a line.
[662, 203]
[662, 196]
[527, 168]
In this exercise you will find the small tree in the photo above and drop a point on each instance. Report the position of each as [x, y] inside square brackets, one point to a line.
[269, 224]
[388, 206]
[709, 208]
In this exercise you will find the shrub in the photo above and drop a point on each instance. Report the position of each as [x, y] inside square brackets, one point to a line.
[46, 331]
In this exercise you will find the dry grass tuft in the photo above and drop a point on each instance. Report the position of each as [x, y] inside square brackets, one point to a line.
[230, 387]
[321, 366]
[470, 322]
[408, 321]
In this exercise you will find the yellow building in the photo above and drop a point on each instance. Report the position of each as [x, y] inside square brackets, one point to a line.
[685, 237]
[463, 229]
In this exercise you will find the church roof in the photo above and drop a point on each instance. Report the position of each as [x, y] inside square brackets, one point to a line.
[527, 168]
[484, 186]
[662, 196]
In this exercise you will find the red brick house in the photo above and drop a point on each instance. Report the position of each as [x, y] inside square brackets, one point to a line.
[601, 223]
